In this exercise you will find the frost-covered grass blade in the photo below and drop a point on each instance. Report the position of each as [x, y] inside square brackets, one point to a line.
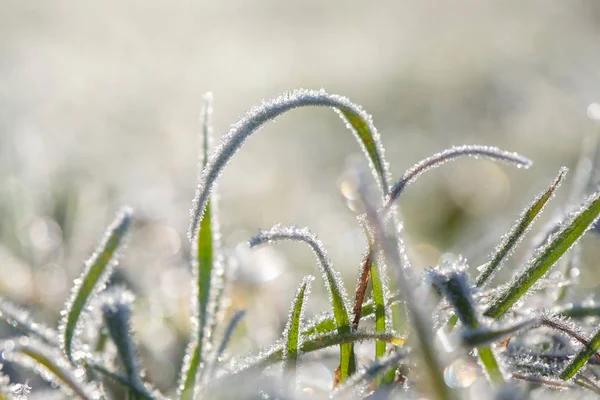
[581, 358]
[519, 229]
[92, 281]
[545, 257]
[22, 321]
[207, 267]
[492, 153]
[291, 336]
[454, 285]
[332, 280]
[51, 365]
[357, 119]
[116, 312]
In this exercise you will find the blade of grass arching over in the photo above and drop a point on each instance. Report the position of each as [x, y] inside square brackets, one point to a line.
[357, 119]
[545, 257]
[51, 365]
[92, 280]
[332, 280]
[518, 230]
[292, 339]
[491, 153]
[207, 268]
[581, 358]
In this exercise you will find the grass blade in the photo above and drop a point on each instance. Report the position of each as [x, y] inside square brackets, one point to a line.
[332, 281]
[116, 312]
[231, 326]
[519, 229]
[207, 267]
[492, 153]
[92, 280]
[545, 257]
[22, 321]
[454, 285]
[373, 371]
[357, 120]
[291, 337]
[581, 358]
[320, 342]
[51, 365]
[326, 323]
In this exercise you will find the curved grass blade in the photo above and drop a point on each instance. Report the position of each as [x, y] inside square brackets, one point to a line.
[357, 120]
[545, 257]
[332, 280]
[291, 337]
[492, 153]
[519, 229]
[581, 358]
[207, 267]
[92, 281]
[51, 365]
[22, 321]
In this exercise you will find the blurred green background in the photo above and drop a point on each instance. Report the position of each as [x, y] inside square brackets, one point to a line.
[99, 105]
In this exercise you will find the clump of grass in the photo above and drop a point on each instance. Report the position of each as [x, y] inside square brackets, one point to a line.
[521, 349]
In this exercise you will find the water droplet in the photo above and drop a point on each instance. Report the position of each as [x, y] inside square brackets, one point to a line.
[461, 373]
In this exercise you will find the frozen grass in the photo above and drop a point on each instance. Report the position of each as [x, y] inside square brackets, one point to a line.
[517, 338]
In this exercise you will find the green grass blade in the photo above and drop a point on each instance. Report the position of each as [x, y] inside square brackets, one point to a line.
[545, 257]
[320, 342]
[326, 323]
[51, 365]
[357, 119]
[581, 358]
[519, 229]
[379, 300]
[207, 267]
[492, 153]
[332, 280]
[93, 280]
[291, 336]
